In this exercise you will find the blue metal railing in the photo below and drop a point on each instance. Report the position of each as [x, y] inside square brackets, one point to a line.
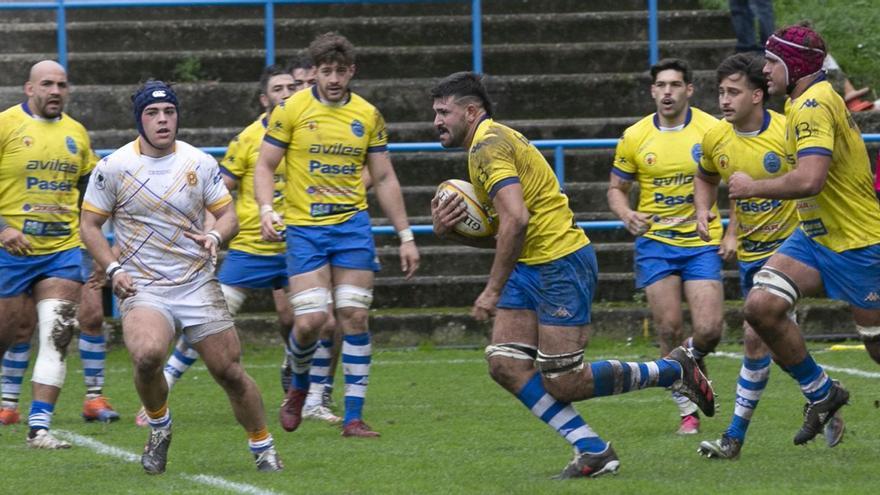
[557, 145]
[61, 6]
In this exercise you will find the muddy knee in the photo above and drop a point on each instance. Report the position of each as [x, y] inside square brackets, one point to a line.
[508, 361]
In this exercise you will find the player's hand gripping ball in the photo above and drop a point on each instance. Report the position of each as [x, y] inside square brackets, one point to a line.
[478, 223]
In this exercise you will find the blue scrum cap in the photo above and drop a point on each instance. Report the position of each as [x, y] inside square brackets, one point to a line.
[152, 91]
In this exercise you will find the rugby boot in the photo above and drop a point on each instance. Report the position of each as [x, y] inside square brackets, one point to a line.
[321, 413]
[155, 454]
[723, 448]
[818, 414]
[9, 416]
[834, 429]
[268, 461]
[99, 409]
[290, 413]
[587, 465]
[693, 383]
[42, 439]
[690, 425]
[357, 428]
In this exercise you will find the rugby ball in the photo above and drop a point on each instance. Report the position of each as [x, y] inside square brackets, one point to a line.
[478, 223]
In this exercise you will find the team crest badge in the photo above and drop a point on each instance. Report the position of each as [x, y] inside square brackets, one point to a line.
[772, 163]
[357, 128]
[650, 159]
[191, 178]
[697, 152]
[71, 145]
[723, 161]
[313, 125]
[27, 141]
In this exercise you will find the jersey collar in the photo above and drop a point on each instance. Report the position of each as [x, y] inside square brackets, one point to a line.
[764, 125]
[318, 97]
[264, 119]
[26, 109]
[687, 120]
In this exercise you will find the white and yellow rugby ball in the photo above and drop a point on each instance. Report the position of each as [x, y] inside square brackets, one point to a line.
[478, 223]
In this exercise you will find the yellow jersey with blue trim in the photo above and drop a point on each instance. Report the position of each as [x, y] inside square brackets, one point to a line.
[154, 202]
[762, 224]
[845, 214]
[664, 161]
[41, 162]
[327, 147]
[500, 156]
[239, 164]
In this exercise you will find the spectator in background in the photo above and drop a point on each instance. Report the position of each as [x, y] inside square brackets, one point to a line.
[742, 15]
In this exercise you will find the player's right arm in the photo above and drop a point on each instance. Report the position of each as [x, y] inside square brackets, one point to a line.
[619, 185]
[13, 240]
[93, 237]
[705, 196]
[272, 150]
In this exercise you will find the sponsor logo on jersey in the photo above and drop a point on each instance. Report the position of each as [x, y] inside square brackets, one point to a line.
[814, 228]
[27, 141]
[71, 145]
[336, 149]
[48, 185]
[192, 178]
[723, 161]
[313, 125]
[44, 208]
[811, 103]
[100, 181]
[678, 179]
[673, 200]
[697, 152]
[751, 246]
[357, 128]
[650, 159]
[47, 229]
[328, 209]
[330, 191]
[772, 163]
[747, 206]
[53, 165]
[316, 167]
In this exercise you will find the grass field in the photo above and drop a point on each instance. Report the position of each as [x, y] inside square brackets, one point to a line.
[446, 428]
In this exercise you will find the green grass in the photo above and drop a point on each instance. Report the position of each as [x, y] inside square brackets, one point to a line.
[849, 27]
[446, 428]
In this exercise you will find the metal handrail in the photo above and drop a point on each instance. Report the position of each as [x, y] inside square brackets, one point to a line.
[61, 6]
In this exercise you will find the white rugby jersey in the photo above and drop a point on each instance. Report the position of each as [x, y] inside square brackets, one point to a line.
[153, 201]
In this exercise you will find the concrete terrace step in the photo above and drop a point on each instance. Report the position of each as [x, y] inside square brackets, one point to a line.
[454, 326]
[245, 64]
[239, 33]
[345, 10]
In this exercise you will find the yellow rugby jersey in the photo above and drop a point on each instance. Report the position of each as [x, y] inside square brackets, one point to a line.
[499, 156]
[763, 224]
[239, 163]
[327, 148]
[845, 215]
[664, 163]
[41, 162]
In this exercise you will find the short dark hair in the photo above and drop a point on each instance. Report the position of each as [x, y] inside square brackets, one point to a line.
[464, 85]
[270, 72]
[300, 62]
[751, 65]
[676, 64]
[331, 48]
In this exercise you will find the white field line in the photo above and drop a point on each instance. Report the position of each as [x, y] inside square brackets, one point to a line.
[212, 481]
[836, 369]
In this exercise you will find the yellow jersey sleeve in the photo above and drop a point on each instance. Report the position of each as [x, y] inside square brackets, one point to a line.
[378, 135]
[624, 165]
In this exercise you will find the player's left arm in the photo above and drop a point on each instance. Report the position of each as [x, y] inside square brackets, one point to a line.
[513, 221]
[387, 190]
[806, 180]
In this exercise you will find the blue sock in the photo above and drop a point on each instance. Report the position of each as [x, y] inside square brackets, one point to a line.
[40, 417]
[357, 353]
[321, 362]
[815, 384]
[753, 377]
[181, 359]
[616, 377]
[92, 349]
[15, 363]
[302, 361]
[560, 416]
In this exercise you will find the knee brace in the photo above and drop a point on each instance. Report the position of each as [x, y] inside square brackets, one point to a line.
[352, 296]
[556, 365]
[776, 283]
[310, 301]
[869, 334]
[512, 350]
[57, 321]
[234, 297]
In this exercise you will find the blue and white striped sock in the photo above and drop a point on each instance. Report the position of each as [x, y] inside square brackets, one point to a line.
[753, 377]
[92, 351]
[815, 384]
[15, 363]
[161, 423]
[560, 416]
[181, 359]
[40, 417]
[318, 376]
[616, 377]
[261, 446]
[357, 353]
[302, 362]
